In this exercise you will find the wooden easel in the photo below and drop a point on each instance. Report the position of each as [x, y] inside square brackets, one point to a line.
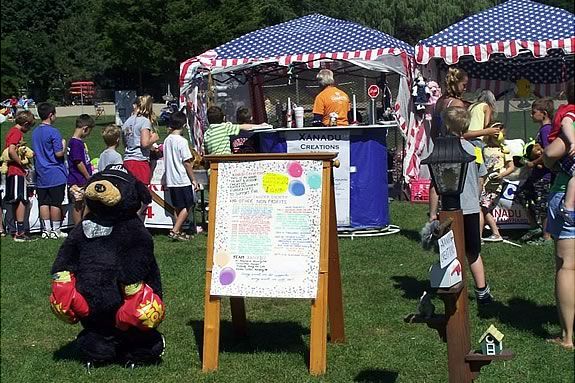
[329, 293]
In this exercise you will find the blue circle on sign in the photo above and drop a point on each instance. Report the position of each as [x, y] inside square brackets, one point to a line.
[296, 188]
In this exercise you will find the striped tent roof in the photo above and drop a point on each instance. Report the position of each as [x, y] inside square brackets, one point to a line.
[510, 28]
[305, 39]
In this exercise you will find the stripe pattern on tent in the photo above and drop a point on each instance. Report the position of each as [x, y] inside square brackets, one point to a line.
[510, 29]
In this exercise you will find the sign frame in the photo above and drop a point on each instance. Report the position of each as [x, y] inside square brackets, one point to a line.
[329, 293]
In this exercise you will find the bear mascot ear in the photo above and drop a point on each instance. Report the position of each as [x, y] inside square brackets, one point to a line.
[143, 193]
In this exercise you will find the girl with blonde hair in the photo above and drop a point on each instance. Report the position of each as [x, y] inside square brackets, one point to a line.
[139, 136]
[455, 85]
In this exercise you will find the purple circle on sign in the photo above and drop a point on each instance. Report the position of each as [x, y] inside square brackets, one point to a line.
[227, 276]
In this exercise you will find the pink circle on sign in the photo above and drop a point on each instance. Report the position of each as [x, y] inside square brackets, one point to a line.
[295, 169]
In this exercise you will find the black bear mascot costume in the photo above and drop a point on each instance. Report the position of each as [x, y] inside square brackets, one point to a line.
[106, 275]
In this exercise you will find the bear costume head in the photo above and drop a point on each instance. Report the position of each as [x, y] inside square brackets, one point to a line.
[114, 194]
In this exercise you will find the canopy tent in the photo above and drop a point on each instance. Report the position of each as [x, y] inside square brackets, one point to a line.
[310, 40]
[516, 40]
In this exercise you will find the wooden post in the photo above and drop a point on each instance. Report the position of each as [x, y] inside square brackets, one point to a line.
[456, 309]
[335, 296]
[211, 347]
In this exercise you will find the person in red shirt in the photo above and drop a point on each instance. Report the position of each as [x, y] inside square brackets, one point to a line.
[16, 184]
[14, 106]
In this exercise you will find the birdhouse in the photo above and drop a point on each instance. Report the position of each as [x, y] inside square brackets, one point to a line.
[491, 341]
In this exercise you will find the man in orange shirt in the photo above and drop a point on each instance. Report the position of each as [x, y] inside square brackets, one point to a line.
[330, 103]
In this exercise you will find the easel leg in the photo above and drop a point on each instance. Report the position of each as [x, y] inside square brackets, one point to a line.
[318, 336]
[238, 316]
[211, 328]
[335, 297]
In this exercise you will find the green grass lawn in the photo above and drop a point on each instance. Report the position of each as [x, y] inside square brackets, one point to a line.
[382, 281]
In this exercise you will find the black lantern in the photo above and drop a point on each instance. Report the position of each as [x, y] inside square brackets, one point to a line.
[448, 166]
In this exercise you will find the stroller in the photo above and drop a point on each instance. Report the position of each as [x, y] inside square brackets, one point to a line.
[166, 112]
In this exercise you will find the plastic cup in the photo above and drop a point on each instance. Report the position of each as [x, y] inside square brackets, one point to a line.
[298, 112]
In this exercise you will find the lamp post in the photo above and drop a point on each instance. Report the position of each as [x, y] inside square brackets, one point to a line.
[448, 164]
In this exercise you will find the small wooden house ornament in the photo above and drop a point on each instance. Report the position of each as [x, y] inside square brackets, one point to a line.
[491, 341]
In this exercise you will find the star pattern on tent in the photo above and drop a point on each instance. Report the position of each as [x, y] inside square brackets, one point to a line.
[309, 34]
[512, 20]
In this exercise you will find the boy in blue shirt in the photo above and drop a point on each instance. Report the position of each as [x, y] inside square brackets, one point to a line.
[51, 172]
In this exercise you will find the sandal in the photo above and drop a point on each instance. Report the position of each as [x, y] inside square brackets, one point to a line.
[493, 238]
[179, 236]
[559, 342]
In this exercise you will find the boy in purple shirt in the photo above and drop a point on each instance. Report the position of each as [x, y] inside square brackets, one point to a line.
[79, 167]
[51, 172]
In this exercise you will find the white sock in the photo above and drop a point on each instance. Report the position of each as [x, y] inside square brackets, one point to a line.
[57, 225]
[47, 225]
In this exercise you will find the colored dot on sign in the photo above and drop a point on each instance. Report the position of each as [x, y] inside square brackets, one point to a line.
[296, 188]
[295, 169]
[314, 180]
[222, 259]
[227, 276]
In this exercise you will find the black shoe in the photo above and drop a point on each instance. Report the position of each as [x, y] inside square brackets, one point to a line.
[486, 300]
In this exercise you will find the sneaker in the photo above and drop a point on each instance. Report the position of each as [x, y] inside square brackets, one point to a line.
[486, 300]
[46, 234]
[532, 234]
[23, 237]
[493, 238]
[57, 235]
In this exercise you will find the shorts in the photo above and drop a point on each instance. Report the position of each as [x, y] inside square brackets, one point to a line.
[16, 189]
[53, 196]
[140, 170]
[533, 196]
[472, 236]
[182, 197]
[556, 225]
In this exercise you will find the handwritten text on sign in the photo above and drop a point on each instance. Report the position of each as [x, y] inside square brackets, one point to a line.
[267, 229]
[447, 251]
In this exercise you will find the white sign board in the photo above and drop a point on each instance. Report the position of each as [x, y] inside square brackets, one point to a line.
[447, 251]
[267, 229]
[328, 141]
[509, 214]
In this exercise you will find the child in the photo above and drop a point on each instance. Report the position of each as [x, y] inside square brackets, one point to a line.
[79, 166]
[564, 123]
[111, 135]
[533, 193]
[16, 185]
[51, 173]
[456, 120]
[244, 142]
[217, 136]
[482, 112]
[179, 175]
[499, 165]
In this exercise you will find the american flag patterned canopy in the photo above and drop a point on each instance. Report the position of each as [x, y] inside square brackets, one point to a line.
[307, 39]
[509, 28]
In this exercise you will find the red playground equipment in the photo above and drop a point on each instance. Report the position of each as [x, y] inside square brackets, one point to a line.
[83, 91]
